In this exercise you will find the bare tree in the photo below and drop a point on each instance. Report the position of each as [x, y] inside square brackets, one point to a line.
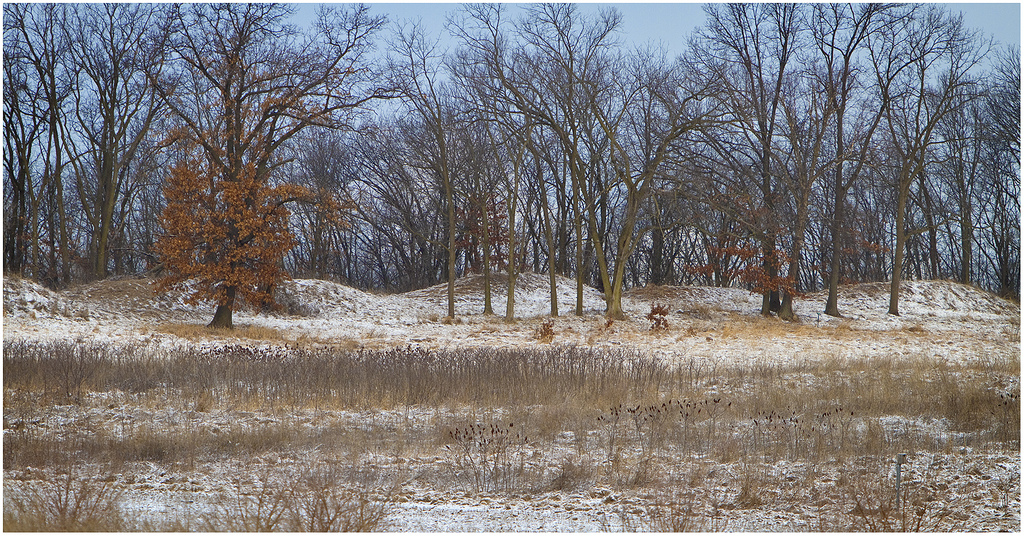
[398, 205]
[116, 49]
[999, 208]
[659, 105]
[42, 47]
[751, 48]
[841, 33]
[808, 118]
[542, 79]
[23, 126]
[940, 53]
[417, 73]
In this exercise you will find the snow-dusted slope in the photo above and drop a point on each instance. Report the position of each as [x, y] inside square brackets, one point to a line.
[939, 318]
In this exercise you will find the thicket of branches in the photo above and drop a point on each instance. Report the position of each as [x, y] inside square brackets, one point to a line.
[788, 148]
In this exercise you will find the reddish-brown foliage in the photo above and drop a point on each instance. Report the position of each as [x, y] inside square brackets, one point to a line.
[224, 232]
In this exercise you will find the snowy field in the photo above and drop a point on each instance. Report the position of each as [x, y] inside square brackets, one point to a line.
[575, 478]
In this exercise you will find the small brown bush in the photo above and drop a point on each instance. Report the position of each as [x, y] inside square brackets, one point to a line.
[545, 332]
[658, 317]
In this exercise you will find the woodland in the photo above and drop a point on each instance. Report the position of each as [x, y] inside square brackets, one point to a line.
[788, 149]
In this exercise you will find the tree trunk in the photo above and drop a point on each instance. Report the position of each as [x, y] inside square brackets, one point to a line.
[222, 316]
[513, 269]
[578, 222]
[967, 241]
[832, 302]
[487, 259]
[786, 310]
[549, 236]
[513, 274]
[897, 264]
[657, 255]
[451, 250]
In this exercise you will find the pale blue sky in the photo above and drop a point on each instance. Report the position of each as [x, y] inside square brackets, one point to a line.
[672, 23]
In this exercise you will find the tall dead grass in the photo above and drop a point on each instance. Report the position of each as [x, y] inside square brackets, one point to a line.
[236, 375]
[806, 409]
[629, 417]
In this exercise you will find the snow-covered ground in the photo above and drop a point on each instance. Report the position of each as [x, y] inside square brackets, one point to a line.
[940, 320]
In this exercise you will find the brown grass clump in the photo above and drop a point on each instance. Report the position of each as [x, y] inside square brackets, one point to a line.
[574, 472]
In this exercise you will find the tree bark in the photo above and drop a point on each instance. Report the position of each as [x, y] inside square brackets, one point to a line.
[488, 310]
[222, 316]
[901, 239]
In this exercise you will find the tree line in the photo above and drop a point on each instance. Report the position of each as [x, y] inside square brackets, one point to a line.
[789, 148]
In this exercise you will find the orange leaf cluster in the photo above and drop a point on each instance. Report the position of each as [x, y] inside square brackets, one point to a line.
[224, 230]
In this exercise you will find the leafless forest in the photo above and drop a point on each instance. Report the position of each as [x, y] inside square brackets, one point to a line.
[641, 217]
[788, 149]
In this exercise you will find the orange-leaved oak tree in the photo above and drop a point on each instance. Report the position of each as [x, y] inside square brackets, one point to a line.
[242, 82]
[224, 238]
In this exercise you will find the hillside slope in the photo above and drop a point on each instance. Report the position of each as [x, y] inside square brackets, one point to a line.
[939, 318]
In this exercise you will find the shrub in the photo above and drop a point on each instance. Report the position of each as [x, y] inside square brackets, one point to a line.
[490, 456]
[67, 503]
[545, 332]
[658, 317]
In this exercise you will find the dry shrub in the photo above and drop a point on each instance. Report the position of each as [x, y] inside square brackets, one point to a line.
[313, 499]
[752, 488]
[319, 504]
[545, 332]
[676, 508]
[255, 508]
[601, 332]
[875, 507]
[658, 317]
[573, 473]
[488, 456]
[700, 311]
[66, 503]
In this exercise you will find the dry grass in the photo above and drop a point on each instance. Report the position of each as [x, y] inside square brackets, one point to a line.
[197, 333]
[743, 327]
[594, 417]
[66, 503]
